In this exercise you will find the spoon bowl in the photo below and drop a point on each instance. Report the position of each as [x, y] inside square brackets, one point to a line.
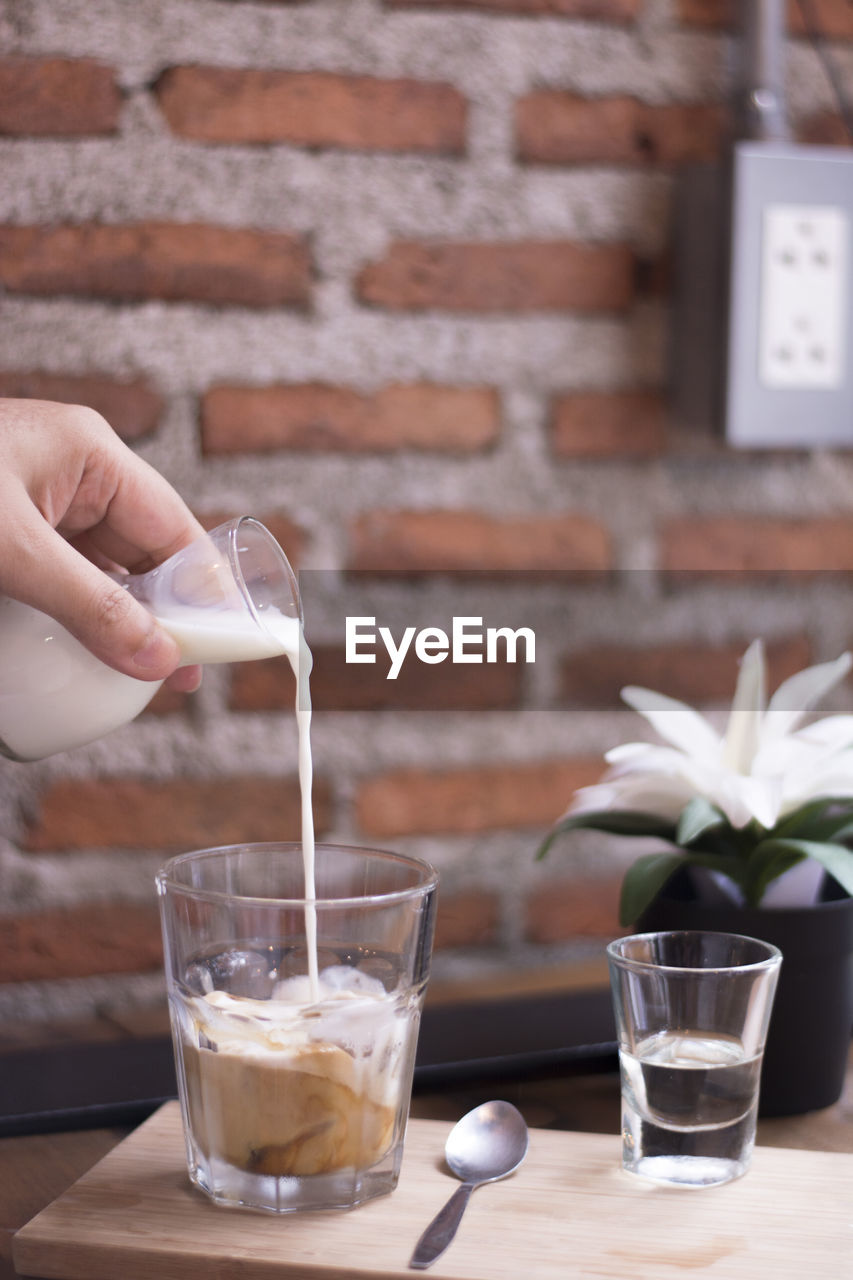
[488, 1143]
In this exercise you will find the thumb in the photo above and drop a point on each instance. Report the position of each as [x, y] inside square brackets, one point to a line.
[97, 610]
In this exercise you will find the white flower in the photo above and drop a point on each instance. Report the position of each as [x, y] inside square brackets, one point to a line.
[764, 766]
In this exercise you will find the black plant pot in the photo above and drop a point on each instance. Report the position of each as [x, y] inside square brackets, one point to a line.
[809, 1038]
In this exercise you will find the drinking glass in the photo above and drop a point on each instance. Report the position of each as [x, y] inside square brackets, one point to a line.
[294, 1019]
[692, 1010]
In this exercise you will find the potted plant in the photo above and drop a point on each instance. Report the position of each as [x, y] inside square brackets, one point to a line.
[743, 814]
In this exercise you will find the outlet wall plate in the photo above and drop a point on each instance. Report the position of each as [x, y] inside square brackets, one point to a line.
[788, 374]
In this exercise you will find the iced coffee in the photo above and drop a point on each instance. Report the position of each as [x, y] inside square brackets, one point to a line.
[294, 1087]
[295, 1021]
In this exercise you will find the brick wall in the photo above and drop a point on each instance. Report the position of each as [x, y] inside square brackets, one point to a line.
[394, 277]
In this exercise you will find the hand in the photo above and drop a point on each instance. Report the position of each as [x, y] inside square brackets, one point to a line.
[75, 501]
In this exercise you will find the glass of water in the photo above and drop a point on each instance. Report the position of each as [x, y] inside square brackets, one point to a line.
[692, 1011]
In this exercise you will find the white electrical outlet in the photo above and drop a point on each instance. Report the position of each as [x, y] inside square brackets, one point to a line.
[803, 302]
[788, 354]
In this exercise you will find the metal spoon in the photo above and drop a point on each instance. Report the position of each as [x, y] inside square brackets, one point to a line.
[487, 1144]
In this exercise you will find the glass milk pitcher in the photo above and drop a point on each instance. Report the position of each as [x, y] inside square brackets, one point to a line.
[230, 596]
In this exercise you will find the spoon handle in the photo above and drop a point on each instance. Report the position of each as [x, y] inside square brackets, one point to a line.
[442, 1229]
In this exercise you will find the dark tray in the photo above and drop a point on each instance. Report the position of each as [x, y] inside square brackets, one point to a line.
[83, 1085]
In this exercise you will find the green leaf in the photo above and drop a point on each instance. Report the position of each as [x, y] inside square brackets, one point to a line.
[812, 817]
[768, 861]
[727, 864]
[834, 858]
[645, 878]
[643, 881]
[620, 822]
[698, 817]
[820, 830]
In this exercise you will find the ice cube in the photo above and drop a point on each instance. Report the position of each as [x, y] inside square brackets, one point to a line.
[342, 977]
[199, 978]
[242, 972]
[293, 990]
[382, 969]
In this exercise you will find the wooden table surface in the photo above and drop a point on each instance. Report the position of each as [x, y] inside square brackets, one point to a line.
[135, 1216]
[35, 1169]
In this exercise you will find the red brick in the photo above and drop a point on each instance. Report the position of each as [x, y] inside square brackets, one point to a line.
[595, 424]
[318, 417]
[512, 276]
[489, 798]
[174, 261]
[826, 128]
[596, 10]
[57, 97]
[183, 813]
[553, 127]
[467, 919]
[414, 542]
[109, 937]
[708, 13]
[338, 686]
[832, 18]
[168, 702]
[563, 910]
[696, 673]
[313, 108]
[756, 545]
[267, 685]
[132, 408]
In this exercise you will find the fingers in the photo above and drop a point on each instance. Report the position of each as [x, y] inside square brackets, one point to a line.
[185, 679]
[51, 576]
[63, 466]
[88, 484]
[141, 520]
[108, 621]
[147, 521]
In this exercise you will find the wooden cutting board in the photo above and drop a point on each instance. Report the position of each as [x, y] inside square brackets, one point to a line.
[569, 1211]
